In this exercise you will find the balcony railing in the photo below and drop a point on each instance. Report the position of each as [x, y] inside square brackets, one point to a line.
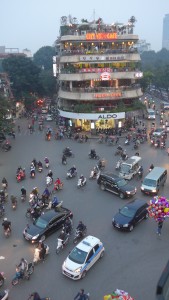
[102, 51]
[101, 89]
[97, 70]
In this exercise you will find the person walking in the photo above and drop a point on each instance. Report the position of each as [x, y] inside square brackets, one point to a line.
[159, 227]
[81, 295]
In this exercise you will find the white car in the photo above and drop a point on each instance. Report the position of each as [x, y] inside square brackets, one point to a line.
[159, 132]
[83, 257]
[49, 118]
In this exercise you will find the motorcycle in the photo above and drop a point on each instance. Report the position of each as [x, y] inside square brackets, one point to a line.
[119, 151]
[48, 180]
[94, 174]
[47, 165]
[2, 210]
[2, 279]
[3, 196]
[7, 233]
[118, 164]
[33, 212]
[157, 144]
[14, 202]
[55, 206]
[79, 234]
[81, 182]
[68, 153]
[162, 145]
[71, 175]
[4, 295]
[127, 142]
[92, 156]
[40, 169]
[4, 186]
[19, 275]
[36, 257]
[57, 187]
[23, 198]
[140, 174]
[61, 244]
[20, 176]
[6, 146]
[46, 298]
[32, 173]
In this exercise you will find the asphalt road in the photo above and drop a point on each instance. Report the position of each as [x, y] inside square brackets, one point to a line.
[133, 261]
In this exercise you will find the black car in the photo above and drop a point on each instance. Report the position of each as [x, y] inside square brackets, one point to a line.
[130, 214]
[116, 185]
[46, 224]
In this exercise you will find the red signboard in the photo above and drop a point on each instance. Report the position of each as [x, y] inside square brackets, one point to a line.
[108, 95]
[101, 36]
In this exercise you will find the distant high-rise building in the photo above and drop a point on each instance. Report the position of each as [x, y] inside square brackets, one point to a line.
[165, 41]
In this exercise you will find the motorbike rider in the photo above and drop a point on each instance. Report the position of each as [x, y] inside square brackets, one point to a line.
[4, 182]
[68, 225]
[72, 170]
[80, 227]
[42, 250]
[62, 236]
[32, 169]
[64, 159]
[93, 153]
[151, 167]
[34, 296]
[40, 164]
[23, 266]
[67, 151]
[50, 174]
[13, 200]
[46, 160]
[57, 182]
[23, 191]
[46, 194]
[2, 196]
[35, 191]
[82, 178]
[6, 224]
[34, 161]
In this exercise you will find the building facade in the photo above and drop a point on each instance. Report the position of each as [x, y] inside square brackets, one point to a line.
[165, 41]
[97, 70]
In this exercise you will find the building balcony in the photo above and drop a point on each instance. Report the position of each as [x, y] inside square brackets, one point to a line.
[94, 74]
[100, 57]
[100, 93]
[97, 52]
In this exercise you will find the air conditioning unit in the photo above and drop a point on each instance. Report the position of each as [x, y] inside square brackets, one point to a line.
[83, 32]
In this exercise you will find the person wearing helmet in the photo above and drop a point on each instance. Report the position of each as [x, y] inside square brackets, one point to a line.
[6, 224]
[73, 170]
[62, 236]
[23, 191]
[80, 227]
[93, 153]
[23, 266]
[82, 178]
[50, 174]
[46, 160]
[4, 183]
[35, 296]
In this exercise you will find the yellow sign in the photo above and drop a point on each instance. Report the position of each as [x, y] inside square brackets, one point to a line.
[101, 36]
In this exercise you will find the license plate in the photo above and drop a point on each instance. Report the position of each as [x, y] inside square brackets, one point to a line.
[67, 274]
[117, 226]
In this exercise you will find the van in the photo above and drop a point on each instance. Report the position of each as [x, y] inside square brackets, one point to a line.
[154, 180]
[130, 167]
[151, 114]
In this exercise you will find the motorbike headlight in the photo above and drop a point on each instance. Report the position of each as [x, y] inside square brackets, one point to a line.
[78, 270]
[142, 188]
[35, 237]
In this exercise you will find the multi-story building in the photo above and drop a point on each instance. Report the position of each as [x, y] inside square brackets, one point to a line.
[165, 40]
[97, 67]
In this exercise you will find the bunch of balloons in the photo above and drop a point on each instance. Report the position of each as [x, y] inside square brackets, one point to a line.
[118, 295]
[158, 208]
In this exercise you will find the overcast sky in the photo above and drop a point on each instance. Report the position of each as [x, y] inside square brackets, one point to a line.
[33, 24]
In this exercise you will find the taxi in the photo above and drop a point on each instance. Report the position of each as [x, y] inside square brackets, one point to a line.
[83, 257]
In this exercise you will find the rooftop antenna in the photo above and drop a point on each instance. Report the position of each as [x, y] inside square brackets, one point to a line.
[94, 16]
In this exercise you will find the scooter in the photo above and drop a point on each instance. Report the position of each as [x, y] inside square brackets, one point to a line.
[127, 142]
[57, 187]
[36, 257]
[52, 205]
[7, 233]
[4, 186]
[19, 275]
[32, 173]
[48, 180]
[14, 202]
[81, 183]
[40, 169]
[47, 165]
[23, 198]
[61, 244]
[94, 173]
[71, 175]
[79, 234]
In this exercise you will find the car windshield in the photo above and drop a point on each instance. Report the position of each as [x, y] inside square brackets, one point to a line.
[78, 256]
[127, 211]
[149, 182]
[125, 168]
[121, 182]
[41, 223]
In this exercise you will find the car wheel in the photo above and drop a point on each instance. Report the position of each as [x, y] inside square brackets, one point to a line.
[121, 195]
[147, 215]
[131, 228]
[43, 237]
[102, 187]
[102, 254]
[83, 274]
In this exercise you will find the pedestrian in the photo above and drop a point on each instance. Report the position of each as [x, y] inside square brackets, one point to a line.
[19, 128]
[160, 225]
[81, 295]
[117, 139]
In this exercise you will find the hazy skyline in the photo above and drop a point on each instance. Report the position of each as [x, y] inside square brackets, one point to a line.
[35, 23]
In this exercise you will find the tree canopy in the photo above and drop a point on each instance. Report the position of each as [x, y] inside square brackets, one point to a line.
[43, 58]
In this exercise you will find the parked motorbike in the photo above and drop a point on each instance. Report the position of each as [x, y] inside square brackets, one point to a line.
[162, 145]
[61, 244]
[81, 182]
[79, 235]
[48, 180]
[36, 257]
[71, 175]
[2, 278]
[19, 275]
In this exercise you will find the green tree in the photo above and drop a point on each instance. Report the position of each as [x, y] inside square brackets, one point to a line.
[43, 58]
[24, 75]
[48, 81]
[4, 108]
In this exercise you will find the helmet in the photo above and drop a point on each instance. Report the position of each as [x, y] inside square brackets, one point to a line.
[46, 158]
[50, 171]
[80, 222]
[5, 219]
[81, 175]
[22, 187]
[74, 166]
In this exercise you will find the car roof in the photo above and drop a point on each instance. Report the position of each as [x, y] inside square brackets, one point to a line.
[109, 174]
[136, 203]
[88, 243]
[52, 213]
